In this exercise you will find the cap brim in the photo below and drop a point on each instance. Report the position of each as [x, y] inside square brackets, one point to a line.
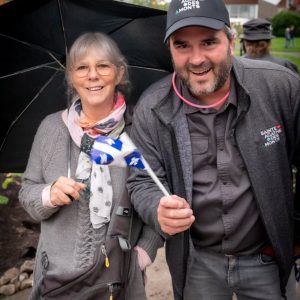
[195, 21]
[257, 37]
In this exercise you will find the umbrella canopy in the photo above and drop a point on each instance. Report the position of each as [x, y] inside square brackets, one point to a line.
[35, 37]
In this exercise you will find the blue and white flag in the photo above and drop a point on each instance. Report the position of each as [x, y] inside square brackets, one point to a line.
[118, 152]
[123, 153]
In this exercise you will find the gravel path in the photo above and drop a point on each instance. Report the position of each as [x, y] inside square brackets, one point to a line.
[158, 285]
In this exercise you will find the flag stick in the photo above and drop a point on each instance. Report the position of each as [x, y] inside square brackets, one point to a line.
[125, 138]
[154, 177]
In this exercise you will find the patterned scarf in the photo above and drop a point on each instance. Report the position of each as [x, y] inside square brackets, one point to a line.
[83, 131]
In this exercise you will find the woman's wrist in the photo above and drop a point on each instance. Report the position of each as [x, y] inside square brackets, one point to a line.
[46, 197]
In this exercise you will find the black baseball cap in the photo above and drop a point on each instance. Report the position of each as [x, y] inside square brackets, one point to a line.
[207, 13]
[257, 29]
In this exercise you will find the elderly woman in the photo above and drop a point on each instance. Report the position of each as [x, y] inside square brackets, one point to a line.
[92, 245]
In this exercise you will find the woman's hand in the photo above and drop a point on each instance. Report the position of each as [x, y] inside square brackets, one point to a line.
[143, 258]
[64, 190]
[144, 261]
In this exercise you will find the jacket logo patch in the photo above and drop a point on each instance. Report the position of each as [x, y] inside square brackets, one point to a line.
[272, 135]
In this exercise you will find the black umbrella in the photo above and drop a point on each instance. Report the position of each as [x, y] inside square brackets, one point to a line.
[34, 39]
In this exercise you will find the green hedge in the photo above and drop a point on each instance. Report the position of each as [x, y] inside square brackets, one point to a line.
[285, 19]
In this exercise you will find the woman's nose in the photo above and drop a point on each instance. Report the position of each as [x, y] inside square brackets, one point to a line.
[93, 73]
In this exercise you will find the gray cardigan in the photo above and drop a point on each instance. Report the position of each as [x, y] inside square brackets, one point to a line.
[66, 232]
[268, 96]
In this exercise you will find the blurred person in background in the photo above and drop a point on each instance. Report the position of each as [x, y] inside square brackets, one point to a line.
[257, 38]
[293, 35]
[287, 37]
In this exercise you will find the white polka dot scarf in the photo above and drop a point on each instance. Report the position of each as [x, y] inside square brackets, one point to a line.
[96, 177]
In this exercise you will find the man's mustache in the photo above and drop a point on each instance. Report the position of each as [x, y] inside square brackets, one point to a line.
[200, 68]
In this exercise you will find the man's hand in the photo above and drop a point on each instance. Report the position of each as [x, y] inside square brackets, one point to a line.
[64, 190]
[174, 215]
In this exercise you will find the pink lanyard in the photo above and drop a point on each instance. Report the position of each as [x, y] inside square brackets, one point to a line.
[193, 104]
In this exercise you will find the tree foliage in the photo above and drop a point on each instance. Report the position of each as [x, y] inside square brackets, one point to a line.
[158, 4]
[285, 19]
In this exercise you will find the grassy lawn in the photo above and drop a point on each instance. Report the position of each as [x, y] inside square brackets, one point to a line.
[278, 45]
[292, 54]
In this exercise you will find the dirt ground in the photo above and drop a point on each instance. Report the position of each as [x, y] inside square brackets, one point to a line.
[158, 285]
[18, 232]
[18, 240]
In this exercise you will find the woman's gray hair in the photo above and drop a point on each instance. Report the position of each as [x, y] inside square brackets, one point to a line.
[107, 47]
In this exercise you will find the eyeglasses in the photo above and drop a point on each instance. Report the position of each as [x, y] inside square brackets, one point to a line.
[103, 68]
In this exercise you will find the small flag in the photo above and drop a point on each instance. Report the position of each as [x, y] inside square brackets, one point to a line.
[123, 153]
[119, 152]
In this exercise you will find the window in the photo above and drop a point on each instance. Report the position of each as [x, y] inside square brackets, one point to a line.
[243, 11]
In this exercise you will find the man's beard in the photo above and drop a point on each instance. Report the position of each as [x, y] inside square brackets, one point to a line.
[221, 72]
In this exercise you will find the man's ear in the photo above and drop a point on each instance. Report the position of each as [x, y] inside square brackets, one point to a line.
[232, 46]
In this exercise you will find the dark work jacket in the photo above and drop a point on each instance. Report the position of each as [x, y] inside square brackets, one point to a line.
[268, 98]
[283, 62]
